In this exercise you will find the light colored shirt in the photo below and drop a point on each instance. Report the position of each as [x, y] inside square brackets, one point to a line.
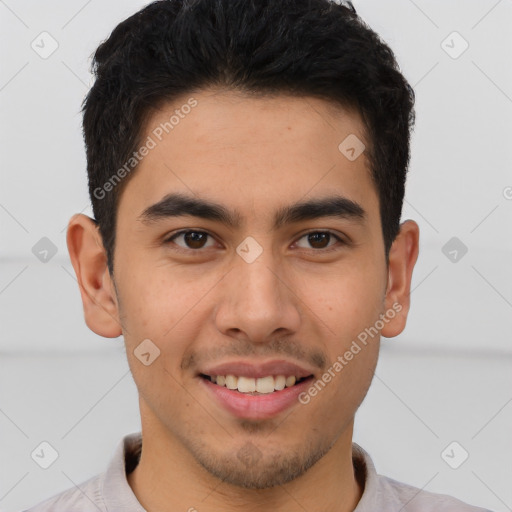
[111, 492]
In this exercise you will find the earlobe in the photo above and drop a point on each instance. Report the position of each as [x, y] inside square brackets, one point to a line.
[402, 258]
[89, 261]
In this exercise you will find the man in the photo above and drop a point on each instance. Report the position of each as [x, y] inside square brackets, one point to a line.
[247, 162]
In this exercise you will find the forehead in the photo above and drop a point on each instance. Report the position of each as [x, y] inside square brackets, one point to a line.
[253, 152]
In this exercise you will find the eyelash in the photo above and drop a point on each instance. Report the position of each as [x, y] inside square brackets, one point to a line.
[340, 240]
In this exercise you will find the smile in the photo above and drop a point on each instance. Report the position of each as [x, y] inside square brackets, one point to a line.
[254, 386]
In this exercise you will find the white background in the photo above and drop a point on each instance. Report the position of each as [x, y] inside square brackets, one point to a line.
[446, 378]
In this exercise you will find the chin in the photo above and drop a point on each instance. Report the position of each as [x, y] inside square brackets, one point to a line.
[251, 467]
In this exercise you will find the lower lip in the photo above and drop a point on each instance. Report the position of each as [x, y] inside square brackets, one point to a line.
[256, 407]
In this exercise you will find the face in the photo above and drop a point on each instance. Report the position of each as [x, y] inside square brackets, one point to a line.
[240, 283]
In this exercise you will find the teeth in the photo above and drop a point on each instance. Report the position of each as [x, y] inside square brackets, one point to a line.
[280, 382]
[290, 381]
[231, 382]
[263, 385]
[247, 384]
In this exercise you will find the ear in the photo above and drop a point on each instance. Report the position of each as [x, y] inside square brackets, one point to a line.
[89, 260]
[402, 258]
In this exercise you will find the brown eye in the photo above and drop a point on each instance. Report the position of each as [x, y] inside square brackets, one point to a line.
[321, 239]
[192, 239]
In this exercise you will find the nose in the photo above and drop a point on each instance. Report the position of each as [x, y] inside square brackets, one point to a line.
[258, 300]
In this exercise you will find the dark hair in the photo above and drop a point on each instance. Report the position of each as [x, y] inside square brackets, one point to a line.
[313, 48]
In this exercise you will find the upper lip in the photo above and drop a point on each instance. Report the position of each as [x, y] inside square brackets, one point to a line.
[257, 369]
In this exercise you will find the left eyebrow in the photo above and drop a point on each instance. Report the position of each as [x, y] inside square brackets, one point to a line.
[333, 206]
[180, 204]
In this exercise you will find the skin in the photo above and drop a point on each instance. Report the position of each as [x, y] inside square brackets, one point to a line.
[296, 301]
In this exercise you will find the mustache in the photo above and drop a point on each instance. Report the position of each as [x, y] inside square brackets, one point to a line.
[276, 348]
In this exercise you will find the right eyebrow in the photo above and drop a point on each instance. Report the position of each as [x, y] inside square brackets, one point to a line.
[179, 204]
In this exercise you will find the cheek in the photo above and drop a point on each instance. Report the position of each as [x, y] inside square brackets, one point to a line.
[349, 301]
[350, 304]
[170, 308]
[339, 391]
[159, 303]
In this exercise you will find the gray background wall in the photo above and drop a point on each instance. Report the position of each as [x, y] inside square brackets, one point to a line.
[446, 378]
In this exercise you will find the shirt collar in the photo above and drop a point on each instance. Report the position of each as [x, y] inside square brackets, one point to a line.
[116, 490]
[367, 476]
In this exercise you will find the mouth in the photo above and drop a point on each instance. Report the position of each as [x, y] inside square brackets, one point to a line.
[255, 386]
[253, 390]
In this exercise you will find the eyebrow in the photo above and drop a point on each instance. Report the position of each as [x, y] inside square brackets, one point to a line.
[179, 204]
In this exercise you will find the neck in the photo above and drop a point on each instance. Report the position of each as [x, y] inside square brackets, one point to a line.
[168, 478]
